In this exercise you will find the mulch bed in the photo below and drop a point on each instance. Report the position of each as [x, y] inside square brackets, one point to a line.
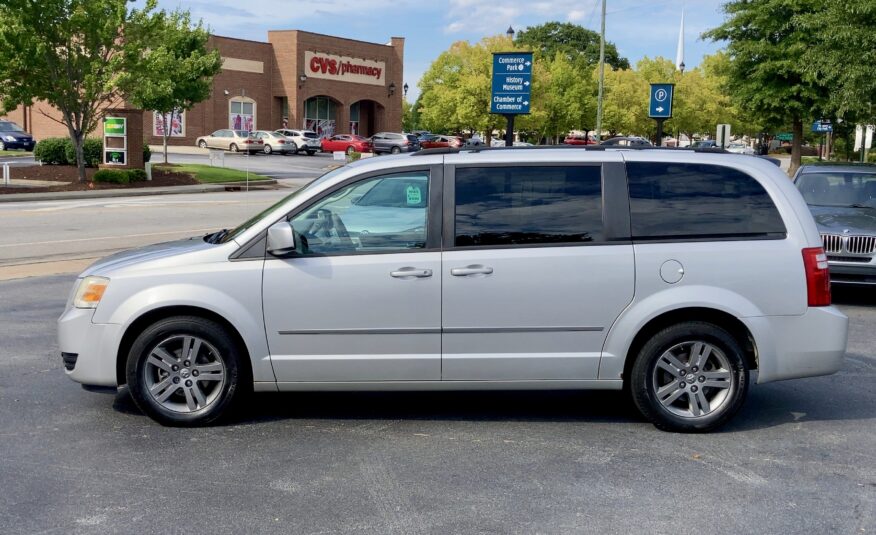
[68, 173]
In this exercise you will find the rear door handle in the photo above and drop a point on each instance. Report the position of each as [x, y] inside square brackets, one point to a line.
[475, 269]
[411, 272]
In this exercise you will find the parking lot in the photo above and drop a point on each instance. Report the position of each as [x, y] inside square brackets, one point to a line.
[800, 456]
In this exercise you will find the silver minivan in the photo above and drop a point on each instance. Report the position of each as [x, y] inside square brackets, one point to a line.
[678, 276]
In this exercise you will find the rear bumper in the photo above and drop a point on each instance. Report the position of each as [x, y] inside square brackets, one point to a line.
[790, 347]
[94, 344]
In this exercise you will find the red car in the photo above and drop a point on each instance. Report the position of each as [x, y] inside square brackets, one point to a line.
[435, 142]
[579, 140]
[346, 143]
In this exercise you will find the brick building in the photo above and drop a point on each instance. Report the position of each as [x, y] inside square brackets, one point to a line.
[302, 79]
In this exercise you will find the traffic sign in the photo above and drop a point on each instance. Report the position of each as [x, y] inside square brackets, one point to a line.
[822, 127]
[661, 101]
[512, 83]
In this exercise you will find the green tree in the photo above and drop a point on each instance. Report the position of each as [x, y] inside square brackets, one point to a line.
[70, 54]
[625, 102]
[455, 90]
[767, 45]
[564, 102]
[573, 41]
[843, 57]
[176, 71]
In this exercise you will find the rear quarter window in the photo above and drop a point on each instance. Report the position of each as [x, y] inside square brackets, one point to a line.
[699, 201]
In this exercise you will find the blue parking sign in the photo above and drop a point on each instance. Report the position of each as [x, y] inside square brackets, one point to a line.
[661, 101]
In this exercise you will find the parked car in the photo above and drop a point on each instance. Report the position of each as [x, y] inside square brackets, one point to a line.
[627, 141]
[496, 142]
[671, 275]
[274, 142]
[842, 199]
[233, 140]
[739, 148]
[13, 136]
[579, 139]
[394, 143]
[441, 141]
[347, 143]
[306, 141]
[705, 144]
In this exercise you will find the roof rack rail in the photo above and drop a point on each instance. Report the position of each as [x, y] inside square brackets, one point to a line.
[477, 148]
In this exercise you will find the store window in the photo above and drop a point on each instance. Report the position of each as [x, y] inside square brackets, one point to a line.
[241, 114]
[320, 116]
[354, 119]
[174, 122]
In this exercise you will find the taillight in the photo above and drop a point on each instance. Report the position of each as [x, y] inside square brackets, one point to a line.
[817, 276]
[281, 141]
[406, 142]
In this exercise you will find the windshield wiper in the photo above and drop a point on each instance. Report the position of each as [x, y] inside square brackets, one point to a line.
[216, 236]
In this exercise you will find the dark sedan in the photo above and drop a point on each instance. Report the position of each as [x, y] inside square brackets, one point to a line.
[13, 136]
[842, 199]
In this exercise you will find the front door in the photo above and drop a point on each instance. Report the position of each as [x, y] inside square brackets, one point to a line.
[533, 278]
[362, 300]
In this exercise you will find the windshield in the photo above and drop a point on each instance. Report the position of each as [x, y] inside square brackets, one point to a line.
[6, 126]
[838, 189]
[240, 229]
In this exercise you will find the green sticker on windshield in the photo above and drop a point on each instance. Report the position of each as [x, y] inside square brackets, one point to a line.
[414, 195]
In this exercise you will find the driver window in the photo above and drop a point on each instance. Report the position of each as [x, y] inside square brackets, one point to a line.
[381, 214]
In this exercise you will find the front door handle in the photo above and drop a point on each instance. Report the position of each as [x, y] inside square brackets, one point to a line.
[411, 272]
[467, 271]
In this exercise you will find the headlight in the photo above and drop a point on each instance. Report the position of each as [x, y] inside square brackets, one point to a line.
[9, 138]
[89, 292]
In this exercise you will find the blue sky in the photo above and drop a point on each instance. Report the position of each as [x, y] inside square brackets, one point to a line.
[638, 28]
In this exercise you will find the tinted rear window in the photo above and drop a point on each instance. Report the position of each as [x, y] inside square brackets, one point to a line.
[498, 206]
[311, 135]
[672, 200]
[412, 138]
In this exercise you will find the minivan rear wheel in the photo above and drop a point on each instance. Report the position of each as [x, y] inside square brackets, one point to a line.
[690, 377]
[185, 371]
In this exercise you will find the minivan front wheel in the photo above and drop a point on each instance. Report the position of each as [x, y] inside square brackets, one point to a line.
[184, 371]
[690, 377]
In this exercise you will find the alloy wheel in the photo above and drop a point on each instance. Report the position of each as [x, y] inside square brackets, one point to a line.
[184, 374]
[693, 379]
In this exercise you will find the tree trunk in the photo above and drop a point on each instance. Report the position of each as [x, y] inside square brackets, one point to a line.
[796, 145]
[77, 137]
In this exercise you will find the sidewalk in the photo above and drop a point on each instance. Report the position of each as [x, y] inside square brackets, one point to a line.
[132, 192]
[158, 150]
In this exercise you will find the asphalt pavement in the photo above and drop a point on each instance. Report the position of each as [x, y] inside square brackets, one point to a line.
[798, 458]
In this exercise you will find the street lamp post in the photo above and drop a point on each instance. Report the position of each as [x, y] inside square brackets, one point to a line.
[510, 33]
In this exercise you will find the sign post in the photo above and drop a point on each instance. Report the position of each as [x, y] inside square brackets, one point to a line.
[722, 139]
[660, 107]
[512, 87]
[823, 127]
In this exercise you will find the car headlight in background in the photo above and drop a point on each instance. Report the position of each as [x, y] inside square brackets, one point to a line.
[8, 138]
[89, 292]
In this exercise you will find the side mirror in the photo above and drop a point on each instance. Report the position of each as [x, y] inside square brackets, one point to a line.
[281, 239]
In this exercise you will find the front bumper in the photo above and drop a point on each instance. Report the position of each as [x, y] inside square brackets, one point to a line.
[18, 144]
[94, 344]
[857, 273]
[790, 347]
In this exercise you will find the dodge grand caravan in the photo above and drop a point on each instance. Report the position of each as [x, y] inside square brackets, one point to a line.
[677, 276]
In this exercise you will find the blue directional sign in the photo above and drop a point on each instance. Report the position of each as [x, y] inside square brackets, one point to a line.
[661, 101]
[822, 127]
[512, 83]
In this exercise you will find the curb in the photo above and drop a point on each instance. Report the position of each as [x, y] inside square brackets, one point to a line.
[133, 192]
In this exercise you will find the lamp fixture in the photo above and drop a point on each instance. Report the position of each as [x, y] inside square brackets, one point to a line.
[301, 80]
[391, 88]
[405, 88]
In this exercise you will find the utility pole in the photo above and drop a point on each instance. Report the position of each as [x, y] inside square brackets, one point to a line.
[601, 75]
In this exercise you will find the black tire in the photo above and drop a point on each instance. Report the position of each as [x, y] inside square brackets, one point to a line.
[268, 149]
[236, 385]
[643, 375]
[350, 150]
[233, 148]
[311, 152]
[395, 150]
[202, 144]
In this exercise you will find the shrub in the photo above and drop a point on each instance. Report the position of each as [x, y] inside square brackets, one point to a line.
[92, 150]
[114, 176]
[353, 156]
[52, 150]
[136, 175]
[147, 153]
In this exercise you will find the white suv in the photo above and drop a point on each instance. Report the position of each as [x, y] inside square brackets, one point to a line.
[303, 140]
[675, 275]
